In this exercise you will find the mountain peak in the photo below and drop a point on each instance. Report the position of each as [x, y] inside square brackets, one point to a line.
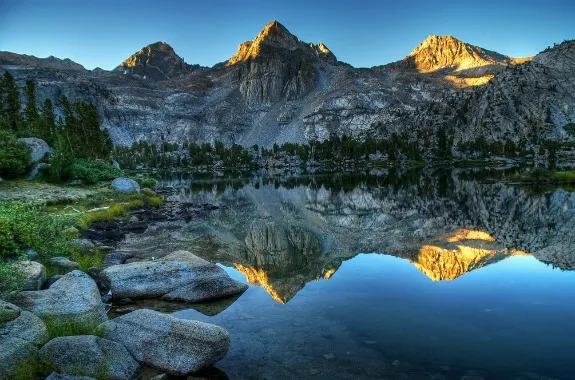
[447, 52]
[273, 37]
[275, 33]
[156, 61]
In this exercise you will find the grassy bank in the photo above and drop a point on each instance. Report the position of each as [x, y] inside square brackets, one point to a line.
[45, 218]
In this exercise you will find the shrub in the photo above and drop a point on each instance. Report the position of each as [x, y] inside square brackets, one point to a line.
[14, 156]
[93, 171]
[23, 226]
[146, 182]
[11, 278]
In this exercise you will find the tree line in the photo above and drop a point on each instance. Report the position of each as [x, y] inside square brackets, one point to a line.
[72, 129]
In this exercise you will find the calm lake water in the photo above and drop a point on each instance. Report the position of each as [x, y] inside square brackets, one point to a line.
[388, 275]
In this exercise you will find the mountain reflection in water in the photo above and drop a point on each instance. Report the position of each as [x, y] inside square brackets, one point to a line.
[397, 274]
[283, 232]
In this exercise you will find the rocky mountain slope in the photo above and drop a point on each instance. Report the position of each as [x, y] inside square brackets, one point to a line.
[278, 89]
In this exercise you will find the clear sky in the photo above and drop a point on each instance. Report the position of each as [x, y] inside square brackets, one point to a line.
[361, 32]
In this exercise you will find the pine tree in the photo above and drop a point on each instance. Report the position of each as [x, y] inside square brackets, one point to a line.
[48, 122]
[11, 103]
[31, 113]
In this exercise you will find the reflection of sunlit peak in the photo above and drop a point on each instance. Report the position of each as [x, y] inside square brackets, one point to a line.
[516, 252]
[464, 234]
[447, 264]
[327, 275]
[260, 278]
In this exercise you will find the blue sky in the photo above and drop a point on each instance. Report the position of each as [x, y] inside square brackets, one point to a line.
[363, 33]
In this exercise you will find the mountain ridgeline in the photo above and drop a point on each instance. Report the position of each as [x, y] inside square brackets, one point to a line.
[278, 89]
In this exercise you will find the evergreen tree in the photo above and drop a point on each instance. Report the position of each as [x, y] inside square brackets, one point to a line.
[47, 130]
[11, 103]
[31, 112]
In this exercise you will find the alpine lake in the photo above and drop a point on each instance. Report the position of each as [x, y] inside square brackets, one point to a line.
[391, 274]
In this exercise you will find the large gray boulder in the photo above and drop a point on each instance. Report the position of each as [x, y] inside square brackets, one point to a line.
[74, 298]
[175, 346]
[180, 276]
[34, 274]
[125, 185]
[87, 355]
[38, 148]
[21, 333]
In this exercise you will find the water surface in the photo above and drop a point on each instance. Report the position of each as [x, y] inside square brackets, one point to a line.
[396, 276]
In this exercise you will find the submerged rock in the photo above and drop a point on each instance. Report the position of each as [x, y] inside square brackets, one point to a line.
[176, 346]
[180, 276]
[125, 185]
[89, 355]
[21, 333]
[74, 298]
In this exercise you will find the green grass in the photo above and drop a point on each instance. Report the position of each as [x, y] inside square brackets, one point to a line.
[31, 368]
[57, 328]
[47, 230]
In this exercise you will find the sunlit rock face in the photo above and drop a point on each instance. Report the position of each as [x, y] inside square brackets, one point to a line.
[276, 65]
[157, 61]
[449, 54]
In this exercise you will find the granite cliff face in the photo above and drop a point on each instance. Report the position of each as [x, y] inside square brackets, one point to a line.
[277, 66]
[278, 89]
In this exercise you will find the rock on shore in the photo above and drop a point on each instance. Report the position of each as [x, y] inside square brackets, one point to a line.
[89, 355]
[73, 298]
[21, 333]
[180, 276]
[176, 346]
